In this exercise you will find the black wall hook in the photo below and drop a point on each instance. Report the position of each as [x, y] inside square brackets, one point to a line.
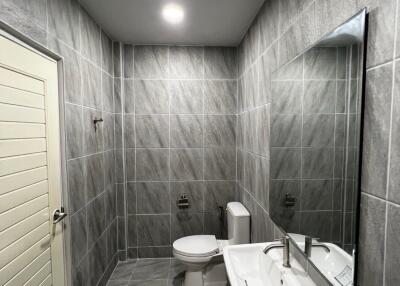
[95, 121]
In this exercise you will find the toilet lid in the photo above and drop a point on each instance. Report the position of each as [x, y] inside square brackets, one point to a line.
[196, 245]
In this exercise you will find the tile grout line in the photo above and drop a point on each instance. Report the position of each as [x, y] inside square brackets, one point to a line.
[390, 139]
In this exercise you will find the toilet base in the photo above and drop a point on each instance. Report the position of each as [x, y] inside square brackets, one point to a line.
[193, 278]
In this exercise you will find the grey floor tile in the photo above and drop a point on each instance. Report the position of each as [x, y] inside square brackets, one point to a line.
[156, 282]
[117, 283]
[123, 271]
[150, 269]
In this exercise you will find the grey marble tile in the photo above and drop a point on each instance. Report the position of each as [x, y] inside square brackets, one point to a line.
[269, 24]
[316, 195]
[262, 130]
[153, 230]
[392, 241]
[288, 10]
[118, 131]
[252, 43]
[151, 97]
[91, 82]
[292, 70]
[286, 97]
[28, 17]
[185, 224]
[376, 130]
[121, 234]
[74, 130]
[220, 97]
[152, 131]
[320, 63]
[317, 163]
[318, 130]
[220, 130]
[97, 263]
[152, 164]
[130, 163]
[394, 178]
[267, 65]
[128, 61]
[186, 96]
[186, 131]
[299, 36]
[107, 92]
[129, 96]
[220, 63]
[110, 201]
[78, 236]
[214, 225]
[95, 219]
[264, 225]
[371, 244]
[129, 130]
[186, 164]
[108, 131]
[123, 271]
[319, 96]
[220, 163]
[132, 253]
[279, 188]
[155, 282]
[194, 191]
[132, 231]
[250, 172]
[117, 283]
[153, 197]
[151, 269]
[117, 96]
[63, 21]
[155, 252]
[285, 163]
[94, 175]
[72, 70]
[262, 181]
[151, 62]
[90, 38]
[251, 87]
[119, 188]
[316, 224]
[131, 197]
[106, 53]
[186, 62]
[93, 138]
[381, 30]
[80, 273]
[119, 172]
[218, 194]
[117, 59]
[76, 184]
[286, 131]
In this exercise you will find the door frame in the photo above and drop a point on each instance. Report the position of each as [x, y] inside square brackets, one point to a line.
[15, 36]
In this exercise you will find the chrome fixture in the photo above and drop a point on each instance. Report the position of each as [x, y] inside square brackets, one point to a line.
[59, 215]
[308, 245]
[285, 245]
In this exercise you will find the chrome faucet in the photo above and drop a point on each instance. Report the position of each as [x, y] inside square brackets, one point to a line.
[285, 245]
[308, 245]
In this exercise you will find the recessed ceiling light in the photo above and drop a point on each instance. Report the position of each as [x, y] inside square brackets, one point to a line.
[173, 13]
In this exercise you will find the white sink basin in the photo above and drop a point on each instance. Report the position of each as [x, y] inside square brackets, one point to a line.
[332, 263]
[247, 265]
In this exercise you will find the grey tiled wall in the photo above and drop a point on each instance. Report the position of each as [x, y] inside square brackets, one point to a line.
[177, 128]
[66, 29]
[281, 31]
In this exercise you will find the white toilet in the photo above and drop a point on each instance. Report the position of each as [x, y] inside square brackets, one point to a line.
[196, 251]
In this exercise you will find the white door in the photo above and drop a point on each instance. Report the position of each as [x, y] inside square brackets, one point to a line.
[31, 246]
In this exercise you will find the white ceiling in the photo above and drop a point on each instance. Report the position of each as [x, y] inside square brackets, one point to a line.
[207, 22]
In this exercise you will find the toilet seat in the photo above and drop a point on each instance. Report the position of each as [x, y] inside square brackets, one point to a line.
[196, 246]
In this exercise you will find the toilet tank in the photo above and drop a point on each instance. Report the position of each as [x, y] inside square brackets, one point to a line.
[238, 223]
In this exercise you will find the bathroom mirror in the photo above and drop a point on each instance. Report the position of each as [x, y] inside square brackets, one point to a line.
[316, 120]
